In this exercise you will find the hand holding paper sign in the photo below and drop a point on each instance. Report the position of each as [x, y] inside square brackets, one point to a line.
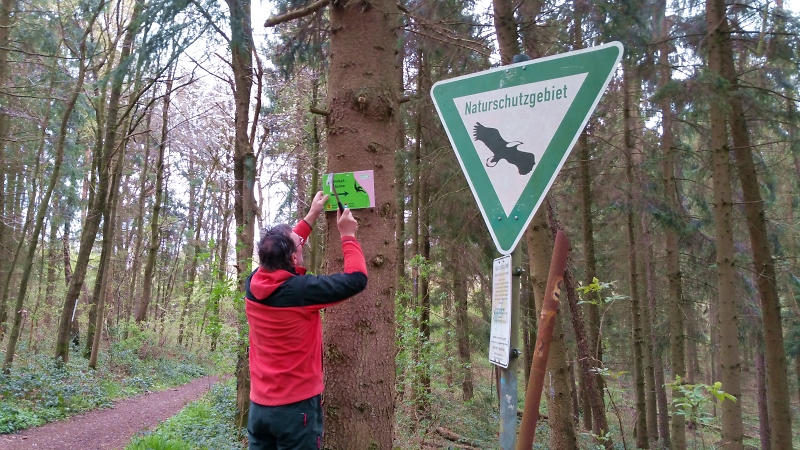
[335, 194]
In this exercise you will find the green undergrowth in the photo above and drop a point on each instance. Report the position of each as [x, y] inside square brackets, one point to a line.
[39, 389]
[207, 423]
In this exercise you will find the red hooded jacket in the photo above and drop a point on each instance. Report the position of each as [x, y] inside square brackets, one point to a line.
[283, 311]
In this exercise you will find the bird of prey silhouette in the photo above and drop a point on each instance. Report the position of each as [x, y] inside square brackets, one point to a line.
[357, 187]
[502, 149]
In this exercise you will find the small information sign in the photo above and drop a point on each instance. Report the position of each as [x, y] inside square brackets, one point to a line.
[356, 189]
[500, 338]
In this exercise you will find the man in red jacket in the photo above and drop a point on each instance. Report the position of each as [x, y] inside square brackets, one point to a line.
[283, 310]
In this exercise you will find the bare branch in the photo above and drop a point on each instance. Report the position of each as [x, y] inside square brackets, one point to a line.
[302, 12]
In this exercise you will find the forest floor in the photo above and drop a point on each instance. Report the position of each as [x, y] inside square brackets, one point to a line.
[110, 428]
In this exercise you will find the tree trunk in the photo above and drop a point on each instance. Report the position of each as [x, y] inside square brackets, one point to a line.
[74, 326]
[654, 417]
[6, 10]
[728, 324]
[244, 168]
[557, 398]
[425, 240]
[587, 226]
[152, 248]
[363, 128]
[139, 225]
[104, 268]
[460, 296]
[96, 210]
[763, 262]
[657, 412]
[677, 437]
[222, 268]
[192, 269]
[764, 424]
[315, 247]
[633, 273]
[595, 397]
[44, 205]
[16, 241]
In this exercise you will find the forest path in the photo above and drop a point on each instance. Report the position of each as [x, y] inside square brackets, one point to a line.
[110, 428]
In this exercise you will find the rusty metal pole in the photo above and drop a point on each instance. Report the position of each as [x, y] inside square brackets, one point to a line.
[547, 321]
[508, 376]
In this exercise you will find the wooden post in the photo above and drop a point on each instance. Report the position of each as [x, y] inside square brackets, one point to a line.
[547, 321]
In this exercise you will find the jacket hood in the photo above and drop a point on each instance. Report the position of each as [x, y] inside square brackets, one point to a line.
[264, 283]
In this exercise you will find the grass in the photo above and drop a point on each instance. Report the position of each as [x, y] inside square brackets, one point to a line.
[39, 389]
[206, 424]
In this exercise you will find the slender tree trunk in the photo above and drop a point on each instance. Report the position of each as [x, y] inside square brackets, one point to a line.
[74, 326]
[52, 262]
[460, 294]
[16, 242]
[222, 267]
[44, 205]
[425, 240]
[658, 411]
[104, 268]
[192, 269]
[764, 424]
[152, 249]
[6, 11]
[314, 258]
[244, 168]
[595, 398]
[528, 320]
[763, 262]
[728, 324]
[677, 437]
[587, 226]
[97, 209]
[633, 274]
[139, 225]
[648, 311]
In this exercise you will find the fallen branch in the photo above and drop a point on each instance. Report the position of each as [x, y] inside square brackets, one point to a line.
[450, 436]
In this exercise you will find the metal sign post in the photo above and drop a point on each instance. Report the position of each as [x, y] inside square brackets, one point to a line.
[508, 375]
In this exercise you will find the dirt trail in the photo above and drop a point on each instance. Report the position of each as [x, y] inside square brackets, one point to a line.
[110, 428]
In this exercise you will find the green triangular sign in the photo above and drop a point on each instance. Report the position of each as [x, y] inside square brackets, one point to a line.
[513, 127]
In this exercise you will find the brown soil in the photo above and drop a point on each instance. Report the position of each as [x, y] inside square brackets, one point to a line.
[110, 428]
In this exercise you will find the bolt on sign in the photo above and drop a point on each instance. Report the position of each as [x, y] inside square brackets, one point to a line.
[356, 190]
[512, 128]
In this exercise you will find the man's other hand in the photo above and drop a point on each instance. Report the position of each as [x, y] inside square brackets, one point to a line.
[346, 223]
[317, 205]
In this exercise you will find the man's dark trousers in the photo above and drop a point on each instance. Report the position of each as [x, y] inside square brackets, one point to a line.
[296, 426]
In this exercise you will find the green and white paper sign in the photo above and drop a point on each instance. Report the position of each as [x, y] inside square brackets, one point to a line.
[356, 189]
[513, 127]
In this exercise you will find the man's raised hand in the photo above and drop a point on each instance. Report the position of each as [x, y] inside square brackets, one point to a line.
[346, 223]
[317, 205]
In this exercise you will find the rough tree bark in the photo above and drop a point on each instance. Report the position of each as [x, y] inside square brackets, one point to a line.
[363, 128]
[763, 262]
[633, 270]
[728, 322]
[677, 437]
[244, 171]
